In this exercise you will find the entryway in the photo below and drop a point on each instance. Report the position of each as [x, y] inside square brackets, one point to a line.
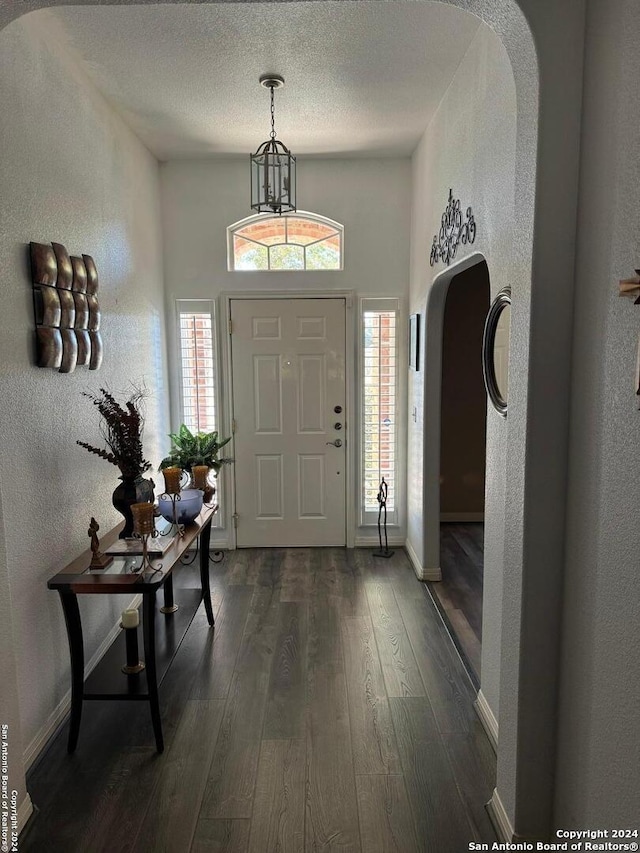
[289, 400]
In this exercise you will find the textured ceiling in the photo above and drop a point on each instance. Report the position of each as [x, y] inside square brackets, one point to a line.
[361, 77]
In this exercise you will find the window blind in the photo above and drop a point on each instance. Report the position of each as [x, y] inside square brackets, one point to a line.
[197, 367]
[379, 421]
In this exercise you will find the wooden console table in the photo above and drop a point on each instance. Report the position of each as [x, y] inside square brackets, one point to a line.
[107, 681]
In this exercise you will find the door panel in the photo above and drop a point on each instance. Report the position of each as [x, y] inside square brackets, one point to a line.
[288, 367]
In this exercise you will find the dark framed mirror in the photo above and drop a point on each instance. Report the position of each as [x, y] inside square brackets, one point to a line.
[495, 351]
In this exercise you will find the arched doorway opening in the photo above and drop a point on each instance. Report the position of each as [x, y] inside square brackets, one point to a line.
[463, 422]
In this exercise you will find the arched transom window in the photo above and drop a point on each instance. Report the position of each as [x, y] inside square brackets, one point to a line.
[293, 241]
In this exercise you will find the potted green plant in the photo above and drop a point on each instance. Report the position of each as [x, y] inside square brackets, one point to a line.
[202, 448]
[121, 427]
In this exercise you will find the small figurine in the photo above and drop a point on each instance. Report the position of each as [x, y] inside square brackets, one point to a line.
[98, 560]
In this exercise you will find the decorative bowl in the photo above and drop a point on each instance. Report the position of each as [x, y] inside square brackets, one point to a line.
[188, 506]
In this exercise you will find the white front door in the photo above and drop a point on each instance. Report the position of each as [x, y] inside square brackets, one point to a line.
[288, 364]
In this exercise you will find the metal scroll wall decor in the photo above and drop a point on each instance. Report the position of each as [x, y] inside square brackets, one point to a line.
[67, 312]
[382, 521]
[453, 231]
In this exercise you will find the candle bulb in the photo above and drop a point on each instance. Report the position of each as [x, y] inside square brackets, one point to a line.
[130, 618]
[172, 480]
[200, 474]
[143, 518]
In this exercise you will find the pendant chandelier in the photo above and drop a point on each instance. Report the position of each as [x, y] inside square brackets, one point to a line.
[273, 166]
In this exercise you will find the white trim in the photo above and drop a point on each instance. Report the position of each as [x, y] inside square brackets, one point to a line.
[59, 713]
[487, 718]
[499, 818]
[223, 543]
[461, 517]
[25, 810]
[422, 573]
[370, 540]
[350, 385]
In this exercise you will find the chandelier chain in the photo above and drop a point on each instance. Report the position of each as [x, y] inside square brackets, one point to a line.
[273, 114]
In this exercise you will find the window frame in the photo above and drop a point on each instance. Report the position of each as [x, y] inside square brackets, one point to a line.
[233, 229]
[369, 518]
[201, 306]
[205, 306]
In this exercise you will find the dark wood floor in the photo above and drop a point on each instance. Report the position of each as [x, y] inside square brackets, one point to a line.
[459, 593]
[328, 711]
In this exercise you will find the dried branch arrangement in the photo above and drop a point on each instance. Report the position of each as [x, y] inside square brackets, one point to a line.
[121, 428]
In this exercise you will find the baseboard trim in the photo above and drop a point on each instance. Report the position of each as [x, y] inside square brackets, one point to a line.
[422, 573]
[60, 712]
[374, 542]
[25, 810]
[461, 517]
[499, 818]
[487, 718]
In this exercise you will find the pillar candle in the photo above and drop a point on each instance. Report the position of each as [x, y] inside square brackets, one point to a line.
[130, 618]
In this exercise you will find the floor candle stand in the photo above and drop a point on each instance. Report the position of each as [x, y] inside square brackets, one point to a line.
[130, 622]
[382, 521]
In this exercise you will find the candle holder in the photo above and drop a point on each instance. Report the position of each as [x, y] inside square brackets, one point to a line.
[130, 622]
[172, 478]
[200, 475]
[143, 528]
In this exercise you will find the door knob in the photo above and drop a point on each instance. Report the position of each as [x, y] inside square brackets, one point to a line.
[336, 443]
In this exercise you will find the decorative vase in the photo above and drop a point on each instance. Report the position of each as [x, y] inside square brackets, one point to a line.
[131, 490]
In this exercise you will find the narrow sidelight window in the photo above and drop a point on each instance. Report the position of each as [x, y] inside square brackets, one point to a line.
[197, 364]
[379, 382]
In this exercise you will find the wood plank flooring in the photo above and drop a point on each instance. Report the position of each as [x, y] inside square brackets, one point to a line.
[328, 711]
[459, 593]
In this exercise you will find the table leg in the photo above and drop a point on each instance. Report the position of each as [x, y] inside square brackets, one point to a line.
[149, 634]
[205, 539]
[76, 649]
[169, 604]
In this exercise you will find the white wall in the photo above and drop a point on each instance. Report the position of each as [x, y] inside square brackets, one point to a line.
[371, 198]
[9, 706]
[599, 751]
[469, 146]
[71, 172]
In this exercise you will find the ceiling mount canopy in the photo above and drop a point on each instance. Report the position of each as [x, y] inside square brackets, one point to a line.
[273, 166]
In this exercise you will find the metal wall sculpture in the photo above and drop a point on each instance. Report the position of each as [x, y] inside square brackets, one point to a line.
[67, 312]
[453, 231]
